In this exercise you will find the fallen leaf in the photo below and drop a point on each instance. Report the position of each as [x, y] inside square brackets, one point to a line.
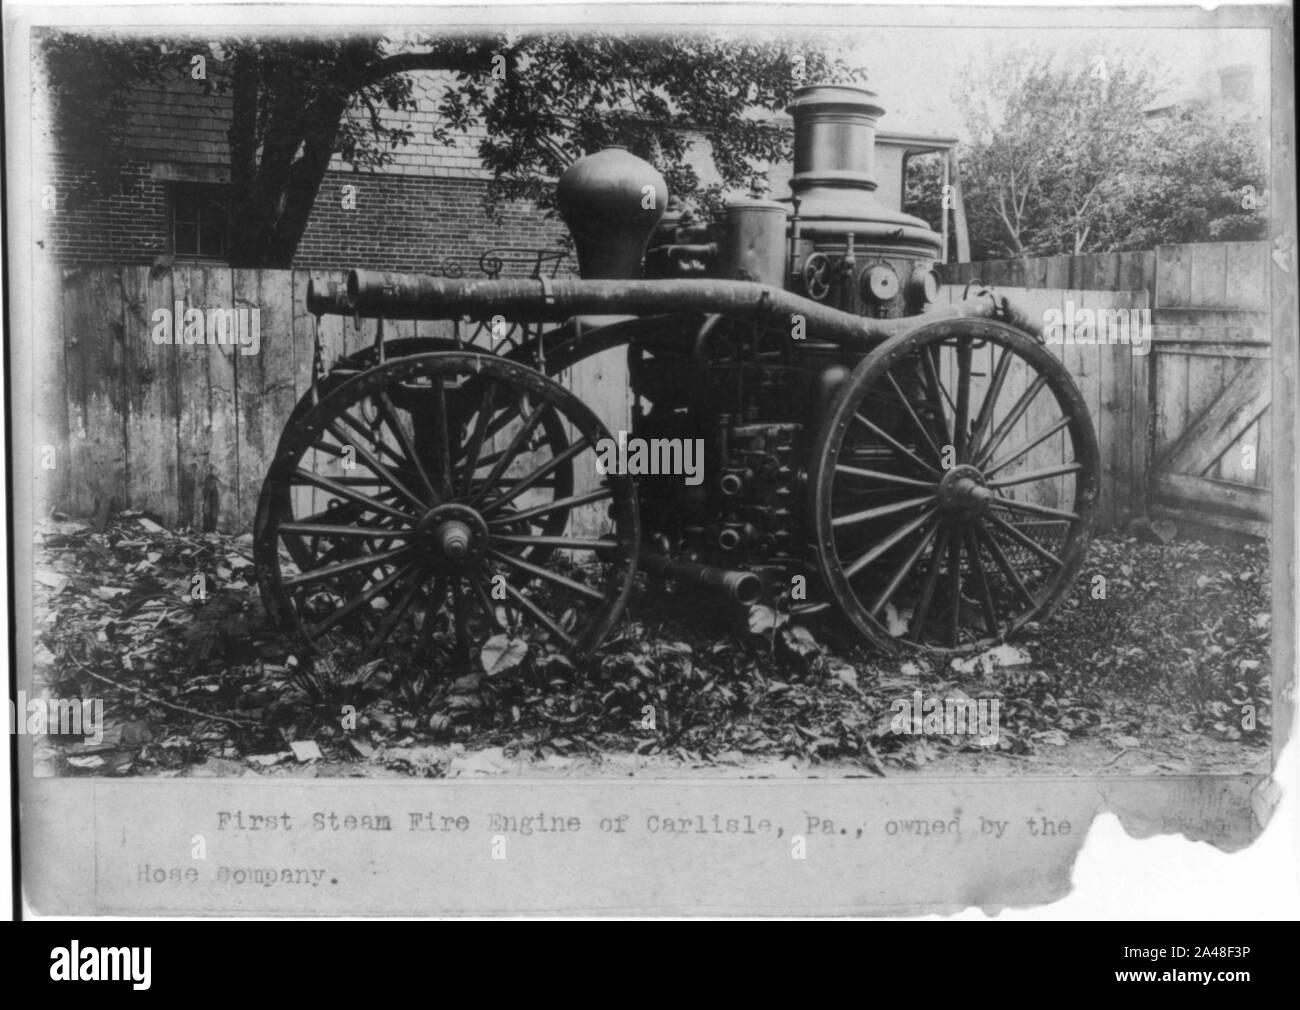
[800, 640]
[363, 748]
[491, 761]
[306, 750]
[501, 653]
[50, 579]
[842, 671]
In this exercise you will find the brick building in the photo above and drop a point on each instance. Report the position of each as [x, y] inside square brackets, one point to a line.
[421, 211]
[424, 208]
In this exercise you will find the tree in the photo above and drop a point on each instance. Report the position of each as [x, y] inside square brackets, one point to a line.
[1205, 182]
[1049, 145]
[545, 100]
[1065, 159]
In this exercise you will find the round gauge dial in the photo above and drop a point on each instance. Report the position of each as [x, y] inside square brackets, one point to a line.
[880, 284]
[922, 287]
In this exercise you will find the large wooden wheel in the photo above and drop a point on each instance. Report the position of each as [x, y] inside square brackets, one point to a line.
[433, 502]
[954, 486]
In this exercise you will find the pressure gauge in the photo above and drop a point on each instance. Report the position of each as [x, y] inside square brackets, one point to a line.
[922, 288]
[879, 284]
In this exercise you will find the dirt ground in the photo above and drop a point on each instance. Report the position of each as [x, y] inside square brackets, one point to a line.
[1166, 675]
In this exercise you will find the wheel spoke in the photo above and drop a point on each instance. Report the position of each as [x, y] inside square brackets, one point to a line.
[381, 447]
[357, 602]
[903, 571]
[563, 503]
[985, 414]
[864, 559]
[484, 598]
[1043, 436]
[896, 445]
[982, 583]
[568, 543]
[442, 436]
[406, 440]
[356, 532]
[540, 615]
[509, 453]
[356, 564]
[954, 589]
[936, 394]
[475, 447]
[554, 577]
[1009, 422]
[931, 580]
[888, 478]
[916, 420]
[522, 485]
[962, 412]
[1026, 542]
[881, 510]
[1011, 574]
[1032, 509]
[370, 504]
[394, 615]
[1033, 475]
[459, 620]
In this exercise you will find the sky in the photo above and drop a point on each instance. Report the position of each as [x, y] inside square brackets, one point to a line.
[916, 71]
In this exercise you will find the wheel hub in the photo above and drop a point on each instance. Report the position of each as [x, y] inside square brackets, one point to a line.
[963, 489]
[451, 536]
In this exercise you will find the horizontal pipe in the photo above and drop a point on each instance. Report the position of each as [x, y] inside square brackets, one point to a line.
[326, 296]
[743, 587]
[703, 250]
[421, 296]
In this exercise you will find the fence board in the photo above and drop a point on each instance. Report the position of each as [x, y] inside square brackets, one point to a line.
[1209, 277]
[48, 388]
[152, 394]
[266, 380]
[93, 338]
[1247, 274]
[1173, 276]
[221, 488]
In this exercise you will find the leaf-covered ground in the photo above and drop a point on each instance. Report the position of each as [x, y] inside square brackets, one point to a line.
[1167, 673]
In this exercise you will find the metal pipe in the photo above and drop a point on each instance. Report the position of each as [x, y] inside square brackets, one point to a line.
[327, 296]
[743, 587]
[702, 250]
[420, 296]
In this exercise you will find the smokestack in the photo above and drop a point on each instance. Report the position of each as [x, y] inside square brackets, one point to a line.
[834, 169]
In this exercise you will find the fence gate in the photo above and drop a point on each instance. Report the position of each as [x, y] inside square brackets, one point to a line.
[1211, 386]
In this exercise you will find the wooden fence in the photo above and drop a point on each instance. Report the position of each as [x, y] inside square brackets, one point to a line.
[188, 432]
[1194, 412]
[190, 436]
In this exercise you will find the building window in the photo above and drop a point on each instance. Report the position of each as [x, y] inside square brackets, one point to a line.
[199, 221]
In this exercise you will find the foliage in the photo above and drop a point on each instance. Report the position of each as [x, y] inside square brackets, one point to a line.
[544, 100]
[1162, 669]
[1065, 159]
